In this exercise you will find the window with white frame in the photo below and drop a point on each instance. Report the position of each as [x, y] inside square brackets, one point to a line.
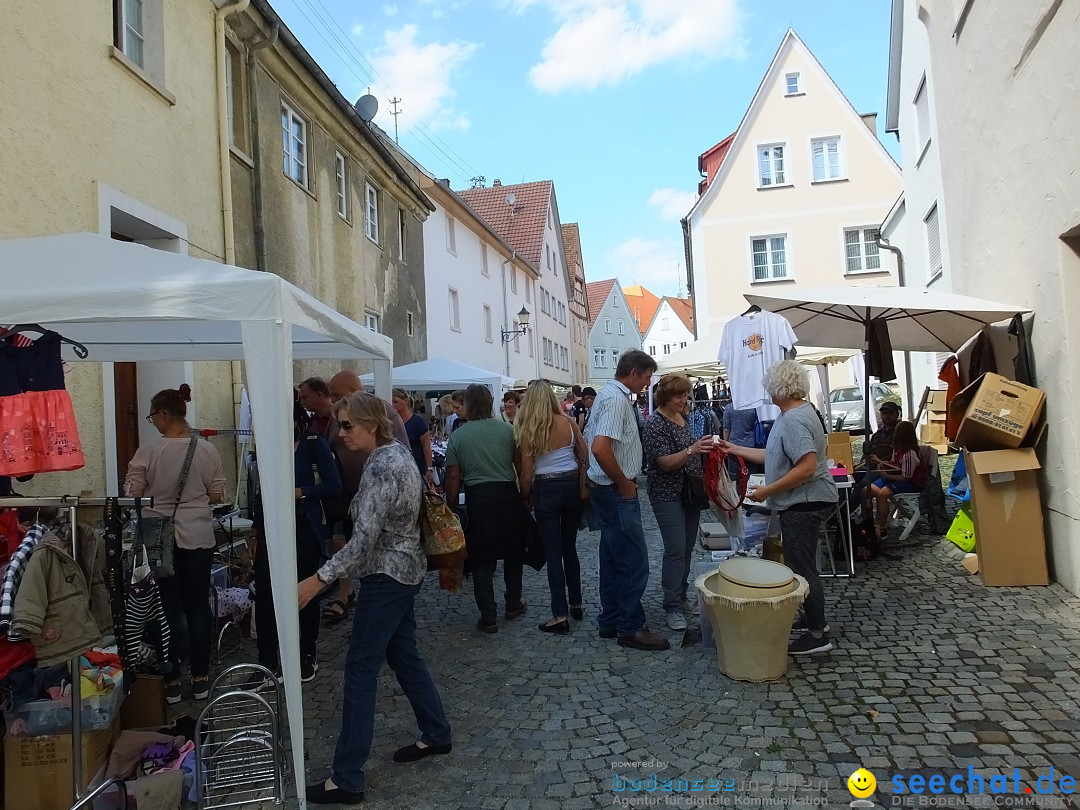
[402, 234]
[342, 186]
[451, 235]
[652, 351]
[517, 336]
[922, 116]
[547, 256]
[667, 348]
[234, 90]
[599, 358]
[769, 257]
[549, 359]
[487, 323]
[551, 220]
[455, 310]
[409, 324]
[544, 301]
[682, 344]
[825, 157]
[665, 325]
[484, 261]
[294, 144]
[607, 326]
[131, 30]
[622, 327]
[614, 358]
[791, 84]
[371, 220]
[139, 38]
[528, 290]
[861, 250]
[933, 242]
[771, 165]
[615, 301]
[565, 359]
[371, 321]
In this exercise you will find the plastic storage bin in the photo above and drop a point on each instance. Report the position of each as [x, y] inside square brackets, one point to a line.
[41, 717]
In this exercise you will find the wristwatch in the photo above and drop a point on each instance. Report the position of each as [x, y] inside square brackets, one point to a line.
[689, 451]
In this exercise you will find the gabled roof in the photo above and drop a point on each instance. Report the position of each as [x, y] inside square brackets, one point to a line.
[790, 40]
[523, 224]
[571, 236]
[684, 308]
[709, 161]
[643, 305]
[597, 294]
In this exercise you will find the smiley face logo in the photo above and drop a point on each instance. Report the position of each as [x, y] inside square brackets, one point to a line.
[861, 783]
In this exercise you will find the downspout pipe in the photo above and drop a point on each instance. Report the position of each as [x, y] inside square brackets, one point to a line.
[259, 228]
[506, 311]
[884, 244]
[689, 251]
[220, 14]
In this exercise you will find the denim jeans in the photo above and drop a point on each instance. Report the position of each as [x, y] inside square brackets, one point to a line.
[557, 506]
[308, 559]
[679, 528]
[483, 576]
[624, 561]
[384, 629]
[185, 596]
[802, 533]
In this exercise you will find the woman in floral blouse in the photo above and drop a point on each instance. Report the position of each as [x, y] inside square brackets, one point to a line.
[670, 451]
[385, 551]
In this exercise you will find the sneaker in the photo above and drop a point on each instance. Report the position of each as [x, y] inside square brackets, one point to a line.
[690, 608]
[200, 688]
[800, 624]
[806, 644]
[308, 667]
[257, 682]
[173, 695]
[676, 620]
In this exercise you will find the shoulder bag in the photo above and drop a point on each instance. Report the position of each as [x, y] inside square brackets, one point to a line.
[694, 494]
[159, 533]
[442, 540]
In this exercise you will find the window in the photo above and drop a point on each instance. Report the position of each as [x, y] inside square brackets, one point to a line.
[615, 302]
[825, 157]
[770, 258]
[607, 326]
[543, 300]
[551, 221]
[792, 84]
[139, 41]
[922, 116]
[371, 224]
[131, 29]
[861, 250]
[528, 290]
[614, 358]
[652, 351]
[565, 359]
[599, 358]
[532, 350]
[294, 144]
[451, 235]
[517, 337]
[341, 185]
[664, 325]
[549, 353]
[513, 279]
[933, 241]
[484, 261]
[409, 324]
[402, 234]
[234, 84]
[371, 321]
[547, 256]
[771, 165]
[667, 348]
[622, 327]
[487, 323]
[455, 311]
[682, 344]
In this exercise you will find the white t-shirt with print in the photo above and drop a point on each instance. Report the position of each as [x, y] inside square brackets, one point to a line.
[749, 346]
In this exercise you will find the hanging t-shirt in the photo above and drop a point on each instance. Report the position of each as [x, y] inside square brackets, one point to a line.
[750, 345]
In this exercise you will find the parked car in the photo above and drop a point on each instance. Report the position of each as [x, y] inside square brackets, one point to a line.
[846, 404]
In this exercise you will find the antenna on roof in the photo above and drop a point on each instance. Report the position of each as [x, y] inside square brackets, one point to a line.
[366, 106]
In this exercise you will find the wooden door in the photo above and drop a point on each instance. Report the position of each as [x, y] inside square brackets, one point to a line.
[126, 392]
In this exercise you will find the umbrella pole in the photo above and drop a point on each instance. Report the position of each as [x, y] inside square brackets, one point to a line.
[867, 404]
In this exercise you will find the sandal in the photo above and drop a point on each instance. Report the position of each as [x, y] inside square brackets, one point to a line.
[335, 612]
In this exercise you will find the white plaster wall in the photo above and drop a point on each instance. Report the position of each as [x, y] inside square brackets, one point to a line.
[657, 337]
[553, 279]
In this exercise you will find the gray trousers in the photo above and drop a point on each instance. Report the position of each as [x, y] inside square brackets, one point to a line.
[801, 535]
[679, 529]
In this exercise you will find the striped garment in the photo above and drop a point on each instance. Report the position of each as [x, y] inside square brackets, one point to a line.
[13, 578]
[614, 416]
[143, 611]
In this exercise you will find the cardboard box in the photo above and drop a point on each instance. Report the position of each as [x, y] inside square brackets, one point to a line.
[145, 706]
[840, 450]
[971, 563]
[37, 770]
[1007, 511]
[935, 401]
[997, 413]
[932, 433]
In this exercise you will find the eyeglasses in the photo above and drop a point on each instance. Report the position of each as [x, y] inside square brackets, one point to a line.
[346, 426]
[150, 416]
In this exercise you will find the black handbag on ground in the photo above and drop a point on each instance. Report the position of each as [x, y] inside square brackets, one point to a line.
[694, 494]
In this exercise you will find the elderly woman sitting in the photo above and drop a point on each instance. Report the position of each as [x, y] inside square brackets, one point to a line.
[798, 485]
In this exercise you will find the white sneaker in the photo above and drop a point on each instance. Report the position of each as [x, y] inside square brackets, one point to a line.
[676, 620]
[690, 608]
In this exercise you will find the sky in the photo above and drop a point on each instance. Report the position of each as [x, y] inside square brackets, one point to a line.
[613, 100]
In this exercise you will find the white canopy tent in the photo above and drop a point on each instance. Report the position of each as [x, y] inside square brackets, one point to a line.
[128, 302]
[441, 373]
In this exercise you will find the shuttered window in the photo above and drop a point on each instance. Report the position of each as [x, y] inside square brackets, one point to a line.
[933, 242]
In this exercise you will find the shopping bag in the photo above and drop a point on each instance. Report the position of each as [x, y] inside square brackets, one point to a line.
[962, 531]
[442, 540]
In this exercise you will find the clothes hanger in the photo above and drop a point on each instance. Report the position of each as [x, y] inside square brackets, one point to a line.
[751, 310]
[80, 350]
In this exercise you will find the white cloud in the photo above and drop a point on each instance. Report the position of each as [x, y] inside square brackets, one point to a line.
[605, 41]
[420, 74]
[654, 264]
[673, 204]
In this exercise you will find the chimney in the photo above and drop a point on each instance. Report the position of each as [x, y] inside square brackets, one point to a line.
[870, 119]
[496, 182]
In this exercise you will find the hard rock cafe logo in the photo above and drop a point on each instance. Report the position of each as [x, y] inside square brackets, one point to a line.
[754, 343]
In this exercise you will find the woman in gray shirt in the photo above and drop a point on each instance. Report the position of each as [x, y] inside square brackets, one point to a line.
[799, 486]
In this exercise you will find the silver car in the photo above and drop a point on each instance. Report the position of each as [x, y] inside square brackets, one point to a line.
[846, 404]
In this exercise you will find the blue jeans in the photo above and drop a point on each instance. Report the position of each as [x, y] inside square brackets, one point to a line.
[679, 528]
[384, 629]
[624, 561]
[557, 506]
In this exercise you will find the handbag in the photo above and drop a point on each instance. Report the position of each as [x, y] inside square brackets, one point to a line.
[694, 494]
[442, 540]
[158, 534]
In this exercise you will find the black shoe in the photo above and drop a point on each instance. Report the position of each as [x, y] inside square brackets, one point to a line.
[807, 644]
[561, 628]
[801, 624]
[645, 639]
[308, 667]
[411, 753]
[200, 688]
[173, 694]
[487, 625]
[605, 632]
[577, 613]
[515, 610]
[320, 794]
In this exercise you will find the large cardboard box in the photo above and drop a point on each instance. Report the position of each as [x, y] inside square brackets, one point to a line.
[935, 401]
[145, 706]
[932, 433]
[37, 770]
[1007, 511]
[839, 450]
[998, 413]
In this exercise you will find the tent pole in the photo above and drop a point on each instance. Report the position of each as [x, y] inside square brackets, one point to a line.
[867, 404]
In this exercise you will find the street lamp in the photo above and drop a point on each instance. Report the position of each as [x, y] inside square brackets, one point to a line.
[523, 319]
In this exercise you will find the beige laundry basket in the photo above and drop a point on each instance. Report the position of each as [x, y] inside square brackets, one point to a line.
[752, 603]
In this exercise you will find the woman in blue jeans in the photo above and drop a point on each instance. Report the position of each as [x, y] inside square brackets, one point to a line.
[553, 454]
[385, 551]
[671, 453]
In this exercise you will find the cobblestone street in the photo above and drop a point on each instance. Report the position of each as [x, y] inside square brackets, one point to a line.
[931, 672]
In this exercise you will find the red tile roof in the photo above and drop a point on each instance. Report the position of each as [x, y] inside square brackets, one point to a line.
[571, 238]
[598, 293]
[522, 225]
[710, 160]
[643, 305]
[684, 308]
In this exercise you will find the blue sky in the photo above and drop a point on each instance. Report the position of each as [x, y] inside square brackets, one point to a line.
[613, 100]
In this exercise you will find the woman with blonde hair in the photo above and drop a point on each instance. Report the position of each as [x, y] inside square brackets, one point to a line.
[385, 552]
[553, 452]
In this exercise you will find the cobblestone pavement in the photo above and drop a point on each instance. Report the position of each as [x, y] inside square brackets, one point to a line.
[931, 672]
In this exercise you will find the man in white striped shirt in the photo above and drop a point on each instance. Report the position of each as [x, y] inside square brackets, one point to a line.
[615, 444]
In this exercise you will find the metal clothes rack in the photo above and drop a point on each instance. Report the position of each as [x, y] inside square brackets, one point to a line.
[72, 504]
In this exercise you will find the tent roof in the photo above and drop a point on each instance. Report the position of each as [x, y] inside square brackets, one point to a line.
[441, 373]
[129, 302]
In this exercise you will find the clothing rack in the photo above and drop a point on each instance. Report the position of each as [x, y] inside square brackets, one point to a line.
[72, 504]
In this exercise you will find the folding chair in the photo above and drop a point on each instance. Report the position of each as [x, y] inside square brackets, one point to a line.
[904, 501]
